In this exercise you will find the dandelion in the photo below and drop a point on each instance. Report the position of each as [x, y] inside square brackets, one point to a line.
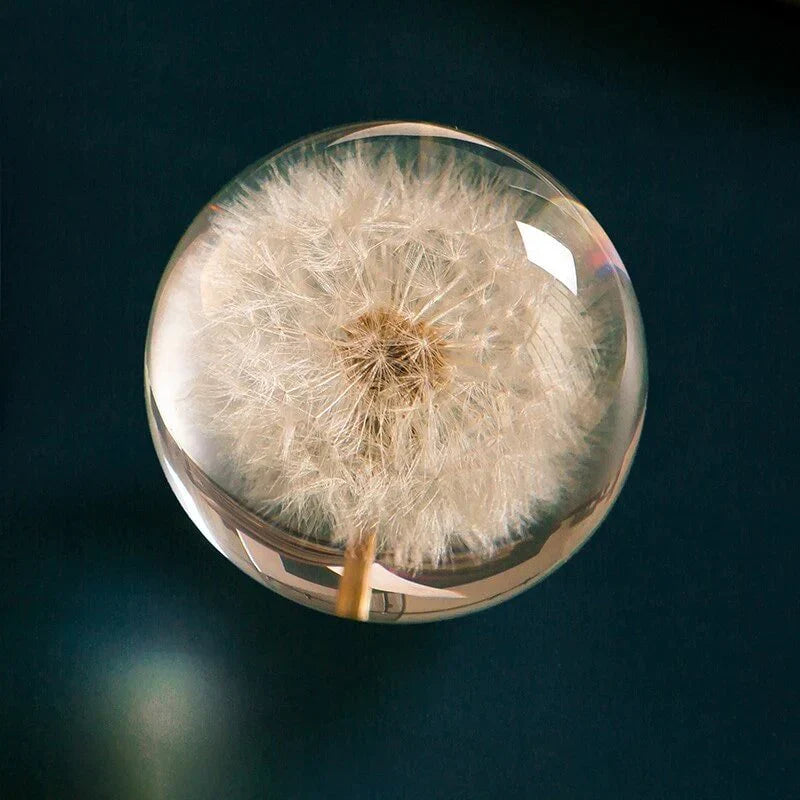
[381, 356]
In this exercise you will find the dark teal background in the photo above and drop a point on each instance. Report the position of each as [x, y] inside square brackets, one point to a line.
[658, 663]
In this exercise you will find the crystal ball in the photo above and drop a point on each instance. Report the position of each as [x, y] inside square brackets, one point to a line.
[404, 334]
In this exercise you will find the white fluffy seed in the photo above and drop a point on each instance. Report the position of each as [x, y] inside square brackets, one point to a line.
[380, 355]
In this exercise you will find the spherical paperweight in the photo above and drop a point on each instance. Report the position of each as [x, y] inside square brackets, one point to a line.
[396, 372]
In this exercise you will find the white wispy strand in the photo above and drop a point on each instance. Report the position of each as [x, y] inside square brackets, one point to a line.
[381, 356]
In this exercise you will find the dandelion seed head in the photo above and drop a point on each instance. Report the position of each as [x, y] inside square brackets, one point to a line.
[379, 354]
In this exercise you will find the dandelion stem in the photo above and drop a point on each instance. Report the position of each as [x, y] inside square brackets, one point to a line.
[355, 593]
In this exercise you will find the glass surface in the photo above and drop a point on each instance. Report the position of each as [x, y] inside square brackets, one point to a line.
[402, 327]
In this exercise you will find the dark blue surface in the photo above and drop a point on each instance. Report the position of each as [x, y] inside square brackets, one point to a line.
[659, 663]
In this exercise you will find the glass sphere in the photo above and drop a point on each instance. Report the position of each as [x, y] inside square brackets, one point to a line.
[402, 329]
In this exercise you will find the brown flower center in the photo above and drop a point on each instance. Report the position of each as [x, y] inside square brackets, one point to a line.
[396, 358]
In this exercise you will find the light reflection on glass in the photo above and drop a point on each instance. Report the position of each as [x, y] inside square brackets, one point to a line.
[548, 253]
